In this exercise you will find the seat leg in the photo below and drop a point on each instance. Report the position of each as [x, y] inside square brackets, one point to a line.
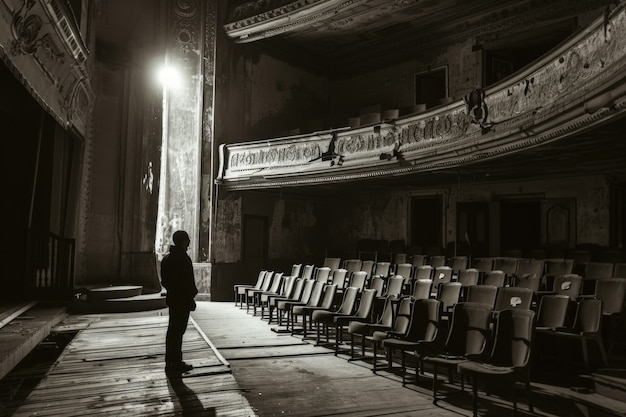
[375, 350]
[435, 384]
[529, 392]
[403, 367]
[514, 398]
[475, 397]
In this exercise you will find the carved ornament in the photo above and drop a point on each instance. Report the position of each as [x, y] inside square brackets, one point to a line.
[579, 85]
[49, 56]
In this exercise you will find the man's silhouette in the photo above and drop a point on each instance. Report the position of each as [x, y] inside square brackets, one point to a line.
[178, 279]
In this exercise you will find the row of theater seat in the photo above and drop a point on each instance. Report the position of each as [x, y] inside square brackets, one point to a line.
[426, 318]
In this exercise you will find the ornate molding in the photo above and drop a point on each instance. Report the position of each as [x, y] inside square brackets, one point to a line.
[48, 53]
[578, 86]
[279, 16]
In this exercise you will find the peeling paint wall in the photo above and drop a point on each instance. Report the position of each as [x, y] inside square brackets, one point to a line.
[266, 97]
[393, 87]
[227, 234]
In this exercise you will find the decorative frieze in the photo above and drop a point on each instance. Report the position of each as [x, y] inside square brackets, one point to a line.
[49, 55]
[557, 96]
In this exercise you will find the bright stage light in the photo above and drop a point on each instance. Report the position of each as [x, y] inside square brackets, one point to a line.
[169, 77]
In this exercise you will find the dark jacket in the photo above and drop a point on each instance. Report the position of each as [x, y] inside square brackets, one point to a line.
[178, 279]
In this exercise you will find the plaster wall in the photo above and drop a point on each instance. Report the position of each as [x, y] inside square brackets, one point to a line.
[591, 195]
[266, 97]
[103, 241]
[393, 87]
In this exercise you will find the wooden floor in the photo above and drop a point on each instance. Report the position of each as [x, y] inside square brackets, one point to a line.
[114, 367]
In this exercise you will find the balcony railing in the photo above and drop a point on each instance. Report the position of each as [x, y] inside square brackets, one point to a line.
[578, 85]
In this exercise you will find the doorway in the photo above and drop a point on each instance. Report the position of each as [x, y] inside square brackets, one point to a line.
[472, 231]
[520, 225]
[255, 242]
[427, 223]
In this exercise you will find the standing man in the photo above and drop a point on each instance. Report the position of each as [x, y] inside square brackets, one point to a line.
[178, 279]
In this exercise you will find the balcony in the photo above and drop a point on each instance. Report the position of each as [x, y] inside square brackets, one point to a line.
[573, 90]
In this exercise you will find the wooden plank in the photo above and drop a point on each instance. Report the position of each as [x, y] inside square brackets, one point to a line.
[14, 312]
[115, 366]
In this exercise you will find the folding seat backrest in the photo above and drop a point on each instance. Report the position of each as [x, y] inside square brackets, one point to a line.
[442, 274]
[307, 290]
[468, 277]
[599, 270]
[405, 270]
[423, 272]
[484, 264]
[295, 270]
[469, 329]
[339, 278]
[308, 271]
[366, 303]
[495, 278]
[422, 289]
[382, 269]
[483, 294]
[611, 291]
[288, 284]
[378, 284]
[568, 284]
[388, 315]
[458, 263]
[530, 266]
[329, 296]
[265, 286]
[425, 318]
[368, 268]
[558, 266]
[358, 280]
[588, 315]
[506, 265]
[349, 301]
[402, 319]
[530, 281]
[296, 290]
[513, 298]
[276, 283]
[322, 274]
[418, 260]
[395, 285]
[619, 271]
[316, 294]
[552, 311]
[437, 260]
[353, 265]
[513, 338]
[399, 258]
[449, 293]
[332, 263]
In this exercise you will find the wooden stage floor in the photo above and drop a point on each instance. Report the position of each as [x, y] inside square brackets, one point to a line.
[114, 366]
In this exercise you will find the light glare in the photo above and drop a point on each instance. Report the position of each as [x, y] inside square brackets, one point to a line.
[168, 77]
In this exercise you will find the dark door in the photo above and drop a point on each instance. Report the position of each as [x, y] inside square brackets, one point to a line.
[472, 229]
[427, 223]
[255, 242]
[520, 225]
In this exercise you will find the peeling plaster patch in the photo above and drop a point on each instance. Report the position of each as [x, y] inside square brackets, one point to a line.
[148, 179]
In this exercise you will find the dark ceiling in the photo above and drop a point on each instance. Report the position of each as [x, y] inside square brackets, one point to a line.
[375, 33]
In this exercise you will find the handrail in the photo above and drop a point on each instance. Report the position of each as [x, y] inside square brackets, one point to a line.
[50, 261]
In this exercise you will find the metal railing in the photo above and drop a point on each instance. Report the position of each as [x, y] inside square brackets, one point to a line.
[50, 261]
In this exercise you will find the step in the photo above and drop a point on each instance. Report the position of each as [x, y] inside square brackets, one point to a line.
[20, 335]
[135, 303]
[611, 383]
[116, 291]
